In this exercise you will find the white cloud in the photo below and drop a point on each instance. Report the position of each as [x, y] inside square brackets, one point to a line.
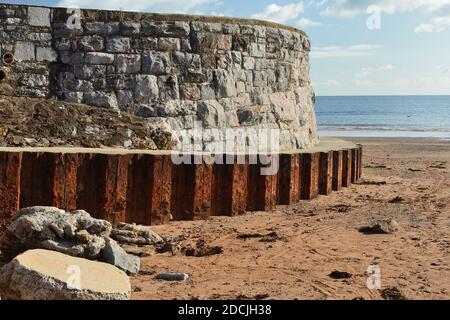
[443, 69]
[344, 52]
[328, 83]
[424, 27]
[439, 10]
[179, 6]
[350, 8]
[281, 14]
[368, 71]
[364, 83]
[427, 82]
[316, 3]
[306, 23]
[438, 24]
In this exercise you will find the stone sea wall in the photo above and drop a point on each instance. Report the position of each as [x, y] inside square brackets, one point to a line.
[225, 72]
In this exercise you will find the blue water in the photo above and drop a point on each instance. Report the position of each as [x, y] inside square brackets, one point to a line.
[384, 116]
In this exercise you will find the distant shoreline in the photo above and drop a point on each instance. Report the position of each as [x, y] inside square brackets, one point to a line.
[382, 134]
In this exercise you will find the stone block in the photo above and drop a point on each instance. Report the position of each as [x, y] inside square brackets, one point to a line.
[117, 44]
[157, 63]
[72, 58]
[212, 114]
[257, 50]
[87, 72]
[24, 51]
[190, 91]
[168, 88]
[224, 42]
[207, 92]
[165, 29]
[125, 99]
[98, 58]
[46, 54]
[129, 28]
[128, 63]
[74, 97]
[101, 99]
[92, 43]
[169, 44]
[39, 17]
[102, 28]
[225, 84]
[146, 89]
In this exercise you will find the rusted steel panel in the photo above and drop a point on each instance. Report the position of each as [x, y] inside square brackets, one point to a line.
[150, 189]
[252, 186]
[337, 169]
[271, 191]
[59, 182]
[360, 157]
[346, 168]
[222, 188]
[139, 189]
[240, 188]
[202, 191]
[161, 191]
[65, 181]
[37, 179]
[10, 168]
[182, 198]
[262, 189]
[288, 179]
[310, 176]
[255, 188]
[326, 173]
[70, 186]
[115, 188]
[91, 183]
[354, 165]
[121, 188]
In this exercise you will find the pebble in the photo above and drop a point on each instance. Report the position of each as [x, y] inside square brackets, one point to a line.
[172, 276]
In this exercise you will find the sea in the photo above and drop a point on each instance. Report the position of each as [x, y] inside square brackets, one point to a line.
[384, 116]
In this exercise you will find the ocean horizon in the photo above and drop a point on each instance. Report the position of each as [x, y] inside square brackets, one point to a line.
[401, 116]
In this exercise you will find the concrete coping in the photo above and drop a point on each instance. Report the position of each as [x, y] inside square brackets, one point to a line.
[326, 144]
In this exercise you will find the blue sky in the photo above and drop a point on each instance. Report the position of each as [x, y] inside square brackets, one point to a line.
[408, 51]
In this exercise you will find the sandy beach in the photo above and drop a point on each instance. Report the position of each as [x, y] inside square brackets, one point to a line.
[289, 253]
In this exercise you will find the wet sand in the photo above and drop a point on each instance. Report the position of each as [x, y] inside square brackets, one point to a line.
[404, 179]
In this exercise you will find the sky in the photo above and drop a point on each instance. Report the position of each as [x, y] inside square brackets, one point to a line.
[359, 47]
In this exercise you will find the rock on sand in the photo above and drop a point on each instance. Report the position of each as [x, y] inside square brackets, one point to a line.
[49, 275]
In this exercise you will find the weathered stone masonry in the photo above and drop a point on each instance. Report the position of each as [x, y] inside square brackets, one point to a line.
[227, 73]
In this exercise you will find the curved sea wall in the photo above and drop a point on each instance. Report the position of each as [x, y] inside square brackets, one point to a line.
[224, 72]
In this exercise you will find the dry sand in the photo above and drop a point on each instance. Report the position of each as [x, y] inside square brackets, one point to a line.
[317, 237]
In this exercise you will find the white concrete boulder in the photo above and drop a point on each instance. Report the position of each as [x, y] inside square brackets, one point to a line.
[115, 255]
[74, 233]
[133, 234]
[49, 275]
